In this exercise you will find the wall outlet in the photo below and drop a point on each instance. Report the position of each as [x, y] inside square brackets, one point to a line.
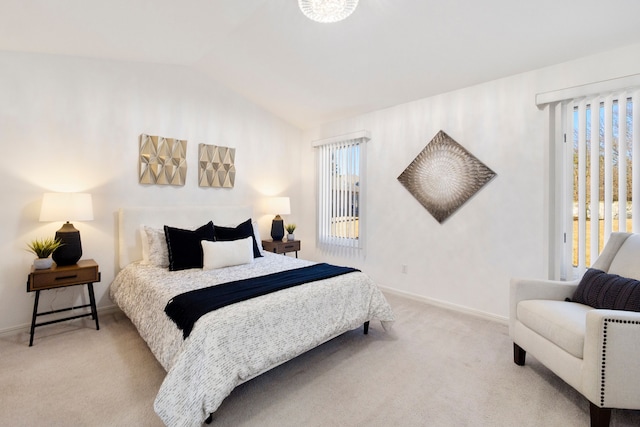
[404, 268]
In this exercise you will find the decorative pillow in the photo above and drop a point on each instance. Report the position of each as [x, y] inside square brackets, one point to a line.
[145, 245]
[226, 253]
[610, 291]
[225, 234]
[155, 251]
[185, 250]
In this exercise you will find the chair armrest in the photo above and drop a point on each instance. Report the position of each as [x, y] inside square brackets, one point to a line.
[611, 371]
[526, 289]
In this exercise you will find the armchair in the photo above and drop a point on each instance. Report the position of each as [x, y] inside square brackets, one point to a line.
[595, 351]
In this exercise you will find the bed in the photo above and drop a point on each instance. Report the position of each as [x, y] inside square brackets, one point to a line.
[235, 343]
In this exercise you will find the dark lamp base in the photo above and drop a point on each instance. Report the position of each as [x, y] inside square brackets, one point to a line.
[71, 250]
[277, 229]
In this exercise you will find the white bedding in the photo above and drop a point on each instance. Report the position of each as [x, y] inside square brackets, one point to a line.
[235, 343]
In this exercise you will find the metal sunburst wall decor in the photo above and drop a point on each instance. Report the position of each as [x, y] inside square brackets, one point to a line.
[444, 176]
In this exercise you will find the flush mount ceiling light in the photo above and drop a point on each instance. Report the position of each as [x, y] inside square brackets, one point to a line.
[327, 10]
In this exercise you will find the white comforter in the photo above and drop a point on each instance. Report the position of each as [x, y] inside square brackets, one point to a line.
[235, 343]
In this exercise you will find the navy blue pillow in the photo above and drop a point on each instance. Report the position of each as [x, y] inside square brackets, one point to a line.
[185, 249]
[242, 231]
[610, 291]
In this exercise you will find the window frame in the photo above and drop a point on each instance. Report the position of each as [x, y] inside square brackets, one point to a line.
[331, 203]
[560, 176]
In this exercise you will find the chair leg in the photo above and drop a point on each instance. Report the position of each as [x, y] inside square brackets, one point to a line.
[600, 417]
[519, 355]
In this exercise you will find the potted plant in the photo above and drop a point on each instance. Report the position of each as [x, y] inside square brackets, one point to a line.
[43, 248]
[290, 229]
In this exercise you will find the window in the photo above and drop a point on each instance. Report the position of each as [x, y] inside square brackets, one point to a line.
[341, 195]
[601, 174]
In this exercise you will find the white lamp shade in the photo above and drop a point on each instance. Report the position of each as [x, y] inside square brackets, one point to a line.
[278, 205]
[66, 207]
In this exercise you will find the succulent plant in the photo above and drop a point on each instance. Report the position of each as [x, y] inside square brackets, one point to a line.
[44, 247]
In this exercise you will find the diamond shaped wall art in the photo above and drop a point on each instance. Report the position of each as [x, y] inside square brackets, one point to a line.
[216, 166]
[444, 176]
[162, 160]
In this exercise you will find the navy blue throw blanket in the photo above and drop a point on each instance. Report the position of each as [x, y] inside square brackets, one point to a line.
[185, 309]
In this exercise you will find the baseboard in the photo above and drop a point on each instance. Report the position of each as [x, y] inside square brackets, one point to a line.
[444, 304]
[14, 330]
[25, 328]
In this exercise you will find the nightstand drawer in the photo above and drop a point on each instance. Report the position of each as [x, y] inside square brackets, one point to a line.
[86, 271]
[290, 246]
[281, 247]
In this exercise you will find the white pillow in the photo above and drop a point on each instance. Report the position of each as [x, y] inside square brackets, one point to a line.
[225, 254]
[256, 234]
[157, 252]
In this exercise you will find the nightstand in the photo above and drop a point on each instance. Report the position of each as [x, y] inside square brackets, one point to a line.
[85, 272]
[281, 247]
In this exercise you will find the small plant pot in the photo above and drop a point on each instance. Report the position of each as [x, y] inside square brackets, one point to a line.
[42, 263]
[291, 237]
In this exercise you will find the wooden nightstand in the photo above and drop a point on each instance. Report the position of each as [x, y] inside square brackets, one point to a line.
[85, 272]
[281, 247]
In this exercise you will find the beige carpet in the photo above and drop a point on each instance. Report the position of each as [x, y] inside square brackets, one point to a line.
[438, 368]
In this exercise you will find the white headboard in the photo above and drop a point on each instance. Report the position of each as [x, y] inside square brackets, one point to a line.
[130, 220]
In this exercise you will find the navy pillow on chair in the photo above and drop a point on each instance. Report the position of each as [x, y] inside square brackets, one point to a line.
[610, 291]
[185, 249]
[241, 231]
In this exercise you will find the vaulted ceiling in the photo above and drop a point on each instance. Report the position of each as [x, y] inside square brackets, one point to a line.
[386, 53]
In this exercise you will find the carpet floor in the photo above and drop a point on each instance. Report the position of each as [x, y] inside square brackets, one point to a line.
[436, 368]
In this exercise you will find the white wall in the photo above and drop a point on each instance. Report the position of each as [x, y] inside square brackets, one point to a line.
[501, 232]
[70, 124]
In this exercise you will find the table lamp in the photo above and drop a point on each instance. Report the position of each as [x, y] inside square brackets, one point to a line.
[278, 206]
[67, 207]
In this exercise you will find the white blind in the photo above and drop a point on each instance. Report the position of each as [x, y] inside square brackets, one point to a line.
[601, 174]
[341, 195]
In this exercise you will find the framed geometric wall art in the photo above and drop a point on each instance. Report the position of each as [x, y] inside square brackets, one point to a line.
[444, 176]
[216, 166]
[162, 160]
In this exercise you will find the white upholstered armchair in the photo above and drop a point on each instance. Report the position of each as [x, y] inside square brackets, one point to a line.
[596, 351]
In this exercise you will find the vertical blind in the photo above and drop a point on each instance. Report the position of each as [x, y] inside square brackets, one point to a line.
[601, 174]
[341, 195]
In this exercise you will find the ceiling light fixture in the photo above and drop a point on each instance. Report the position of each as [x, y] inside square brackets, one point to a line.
[327, 10]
